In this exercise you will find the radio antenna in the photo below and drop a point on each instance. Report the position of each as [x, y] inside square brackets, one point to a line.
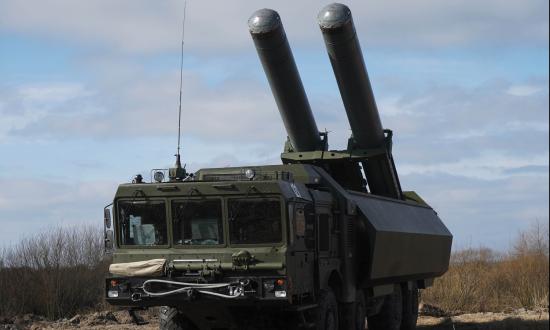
[179, 173]
[181, 76]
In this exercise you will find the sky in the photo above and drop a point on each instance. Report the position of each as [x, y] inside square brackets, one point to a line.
[89, 97]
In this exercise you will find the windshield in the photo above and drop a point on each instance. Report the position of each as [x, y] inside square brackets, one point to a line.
[255, 221]
[142, 223]
[197, 222]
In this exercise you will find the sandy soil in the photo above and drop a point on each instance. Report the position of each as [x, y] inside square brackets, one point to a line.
[513, 320]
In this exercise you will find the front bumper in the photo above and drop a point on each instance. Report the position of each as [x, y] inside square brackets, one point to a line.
[129, 292]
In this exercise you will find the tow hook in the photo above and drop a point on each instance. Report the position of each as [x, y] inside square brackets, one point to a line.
[190, 293]
[136, 297]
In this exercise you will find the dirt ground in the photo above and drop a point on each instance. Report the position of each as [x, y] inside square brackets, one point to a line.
[516, 320]
[512, 320]
[96, 321]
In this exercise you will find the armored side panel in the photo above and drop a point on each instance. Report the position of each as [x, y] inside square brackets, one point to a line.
[345, 55]
[279, 66]
[395, 240]
[400, 240]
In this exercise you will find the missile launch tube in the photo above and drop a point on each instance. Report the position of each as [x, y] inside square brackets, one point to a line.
[345, 55]
[274, 51]
[343, 48]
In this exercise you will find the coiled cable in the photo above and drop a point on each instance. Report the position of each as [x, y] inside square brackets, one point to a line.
[199, 287]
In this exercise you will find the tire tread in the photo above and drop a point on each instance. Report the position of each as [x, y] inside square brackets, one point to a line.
[390, 315]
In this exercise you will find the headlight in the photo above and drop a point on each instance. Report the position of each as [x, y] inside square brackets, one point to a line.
[275, 288]
[158, 176]
[280, 290]
[249, 173]
[112, 294]
[280, 294]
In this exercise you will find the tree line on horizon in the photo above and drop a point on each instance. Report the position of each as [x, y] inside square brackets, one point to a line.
[61, 272]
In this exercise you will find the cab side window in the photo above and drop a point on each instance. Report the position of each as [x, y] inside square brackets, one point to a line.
[324, 232]
[310, 226]
[303, 225]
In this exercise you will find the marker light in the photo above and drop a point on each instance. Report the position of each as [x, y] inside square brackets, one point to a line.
[280, 282]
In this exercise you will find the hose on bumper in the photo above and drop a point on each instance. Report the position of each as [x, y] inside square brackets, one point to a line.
[236, 289]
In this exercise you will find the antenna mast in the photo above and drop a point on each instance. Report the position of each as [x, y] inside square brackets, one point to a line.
[181, 75]
[178, 173]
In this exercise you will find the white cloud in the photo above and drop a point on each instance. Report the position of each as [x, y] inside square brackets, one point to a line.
[143, 26]
[500, 129]
[32, 103]
[28, 206]
[55, 93]
[449, 123]
[483, 212]
[440, 127]
[488, 166]
[524, 90]
[478, 153]
[49, 195]
[148, 107]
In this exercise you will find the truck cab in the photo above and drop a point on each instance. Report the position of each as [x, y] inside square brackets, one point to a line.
[260, 233]
[249, 244]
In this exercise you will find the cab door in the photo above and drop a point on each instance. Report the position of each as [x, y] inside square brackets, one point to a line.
[301, 256]
[324, 223]
[327, 245]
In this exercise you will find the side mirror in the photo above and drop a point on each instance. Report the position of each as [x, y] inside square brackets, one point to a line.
[107, 218]
[108, 230]
[109, 235]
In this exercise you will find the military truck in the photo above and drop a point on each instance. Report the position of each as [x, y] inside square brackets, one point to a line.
[327, 240]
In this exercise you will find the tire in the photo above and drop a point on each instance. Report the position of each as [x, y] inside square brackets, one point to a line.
[360, 313]
[390, 315]
[172, 319]
[410, 309]
[327, 313]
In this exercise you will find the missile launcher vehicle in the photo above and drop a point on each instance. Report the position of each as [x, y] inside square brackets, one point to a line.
[327, 240]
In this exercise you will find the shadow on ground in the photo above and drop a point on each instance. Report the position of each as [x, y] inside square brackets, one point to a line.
[506, 324]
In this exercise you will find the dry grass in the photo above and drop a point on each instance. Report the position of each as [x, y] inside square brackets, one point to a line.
[506, 324]
[481, 280]
[56, 273]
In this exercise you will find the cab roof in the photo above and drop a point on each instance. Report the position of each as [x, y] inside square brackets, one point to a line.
[286, 180]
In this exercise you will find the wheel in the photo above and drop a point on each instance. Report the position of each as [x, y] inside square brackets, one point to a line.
[327, 313]
[360, 310]
[410, 309]
[172, 319]
[390, 315]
